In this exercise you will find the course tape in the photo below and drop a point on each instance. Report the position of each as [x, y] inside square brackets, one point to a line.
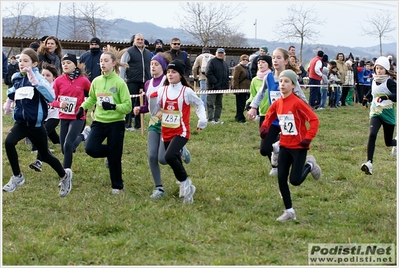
[227, 91]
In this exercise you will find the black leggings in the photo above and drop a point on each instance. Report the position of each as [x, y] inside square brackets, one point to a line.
[173, 157]
[294, 159]
[266, 147]
[375, 125]
[38, 137]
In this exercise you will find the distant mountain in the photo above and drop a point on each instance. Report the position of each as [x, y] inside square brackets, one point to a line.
[123, 30]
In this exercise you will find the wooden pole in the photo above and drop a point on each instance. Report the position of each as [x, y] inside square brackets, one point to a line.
[141, 115]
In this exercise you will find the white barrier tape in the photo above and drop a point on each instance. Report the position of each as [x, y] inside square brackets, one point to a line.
[322, 86]
[222, 91]
[137, 95]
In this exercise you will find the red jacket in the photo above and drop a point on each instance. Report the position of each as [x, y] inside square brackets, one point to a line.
[311, 71]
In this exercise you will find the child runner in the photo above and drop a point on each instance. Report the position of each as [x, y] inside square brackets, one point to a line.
[111, 96]
[156, 147]
[50, 73]
[174, 102]
[270, 91]
[31, 92]
[295, 138]
[70, 91]
[382, 109]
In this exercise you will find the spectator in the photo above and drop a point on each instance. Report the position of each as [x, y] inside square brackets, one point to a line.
[253, 63]
[50, 52]
[138, 58]
[91, 59]
[360, 82]
[5, 66]
[342, 68]
[217, 74]
[12, 69]
[178, 54]
[291, 50]
[158, 46]
[241, 80]
[200, 63]
[315, 76]
[34, 46]
[232, 63]
[349, 80]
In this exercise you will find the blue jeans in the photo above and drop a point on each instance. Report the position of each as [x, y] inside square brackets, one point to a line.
[323, 91]
[203, 87]
[314, 96]
[338, 95]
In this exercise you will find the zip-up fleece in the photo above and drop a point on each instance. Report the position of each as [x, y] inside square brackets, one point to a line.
[30, 101]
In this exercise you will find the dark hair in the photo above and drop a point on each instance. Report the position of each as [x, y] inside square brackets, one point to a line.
[320, 53]
[43, 49]
[340, 53]
[51, 68]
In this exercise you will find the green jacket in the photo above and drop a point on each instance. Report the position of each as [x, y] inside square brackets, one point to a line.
[110, 88]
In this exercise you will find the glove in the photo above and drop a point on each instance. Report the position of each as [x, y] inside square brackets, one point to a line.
[305, 143]
[154, 94]
[108, 106]
[263, 131]
[202, 125]
[80, 113]
[382, 98]
[7, 106]
[31, 76]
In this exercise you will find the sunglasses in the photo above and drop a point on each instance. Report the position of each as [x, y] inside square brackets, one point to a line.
[176, 44]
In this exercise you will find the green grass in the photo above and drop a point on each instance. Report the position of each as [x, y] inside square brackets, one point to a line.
[233, 218]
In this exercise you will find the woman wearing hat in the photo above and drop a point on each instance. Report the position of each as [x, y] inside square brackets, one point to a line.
[70, 90]
[382, 110]
[174, 100]
[295, 138]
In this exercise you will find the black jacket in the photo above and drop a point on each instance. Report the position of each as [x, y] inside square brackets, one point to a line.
[183, 57]
[217, 74]
[139, 65]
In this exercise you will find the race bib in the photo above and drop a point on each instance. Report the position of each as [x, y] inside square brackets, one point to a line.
[287, 124]
[171, 119]
[70, 108]
[24, 93]
[274, 95]
[104, 97]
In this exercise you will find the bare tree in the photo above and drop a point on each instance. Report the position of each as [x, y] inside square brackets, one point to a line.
[14, 24]
[299, 25]
[84, 20]
[380, 24]
[211, 23]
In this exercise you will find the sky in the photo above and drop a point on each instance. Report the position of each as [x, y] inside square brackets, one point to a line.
[342, 27]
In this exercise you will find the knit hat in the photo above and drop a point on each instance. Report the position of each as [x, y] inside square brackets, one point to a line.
[291, 75]
[384, 62]
[34, 45]
[349, 62]
[158, 41]
[178, 66]
[43, 38]
[161, 61]
[146, 42]
[71, 57]
[325, 58]
[265, 48]
[95, 40]
[266, 58]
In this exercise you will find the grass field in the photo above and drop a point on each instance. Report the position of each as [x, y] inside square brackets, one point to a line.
[233, 218]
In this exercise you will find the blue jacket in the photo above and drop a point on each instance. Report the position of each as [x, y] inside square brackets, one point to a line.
[92, 63]
[30, 101]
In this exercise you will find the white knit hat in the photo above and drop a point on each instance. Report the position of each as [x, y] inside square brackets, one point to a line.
[384, 62]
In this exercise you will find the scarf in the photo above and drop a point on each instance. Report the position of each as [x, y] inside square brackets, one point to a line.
[249, 74]
[262, 75]
[380, 78]
[74, 74]
[54, 60]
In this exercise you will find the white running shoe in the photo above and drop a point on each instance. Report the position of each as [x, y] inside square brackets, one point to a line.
[275, 152]
[273, 172]
[66, 183]
[316, 170]
[287, 216]
[185, 155]
[86, 132]
[367, 168]
[157, 193]
[13, 183]
[184, 187]
[394, 151]
[188, 198]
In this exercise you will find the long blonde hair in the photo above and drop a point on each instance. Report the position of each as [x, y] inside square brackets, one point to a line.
[116, 56]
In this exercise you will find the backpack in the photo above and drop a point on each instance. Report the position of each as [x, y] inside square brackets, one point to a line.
[205, 60]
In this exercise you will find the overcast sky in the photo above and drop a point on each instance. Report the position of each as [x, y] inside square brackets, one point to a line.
[342, 27]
